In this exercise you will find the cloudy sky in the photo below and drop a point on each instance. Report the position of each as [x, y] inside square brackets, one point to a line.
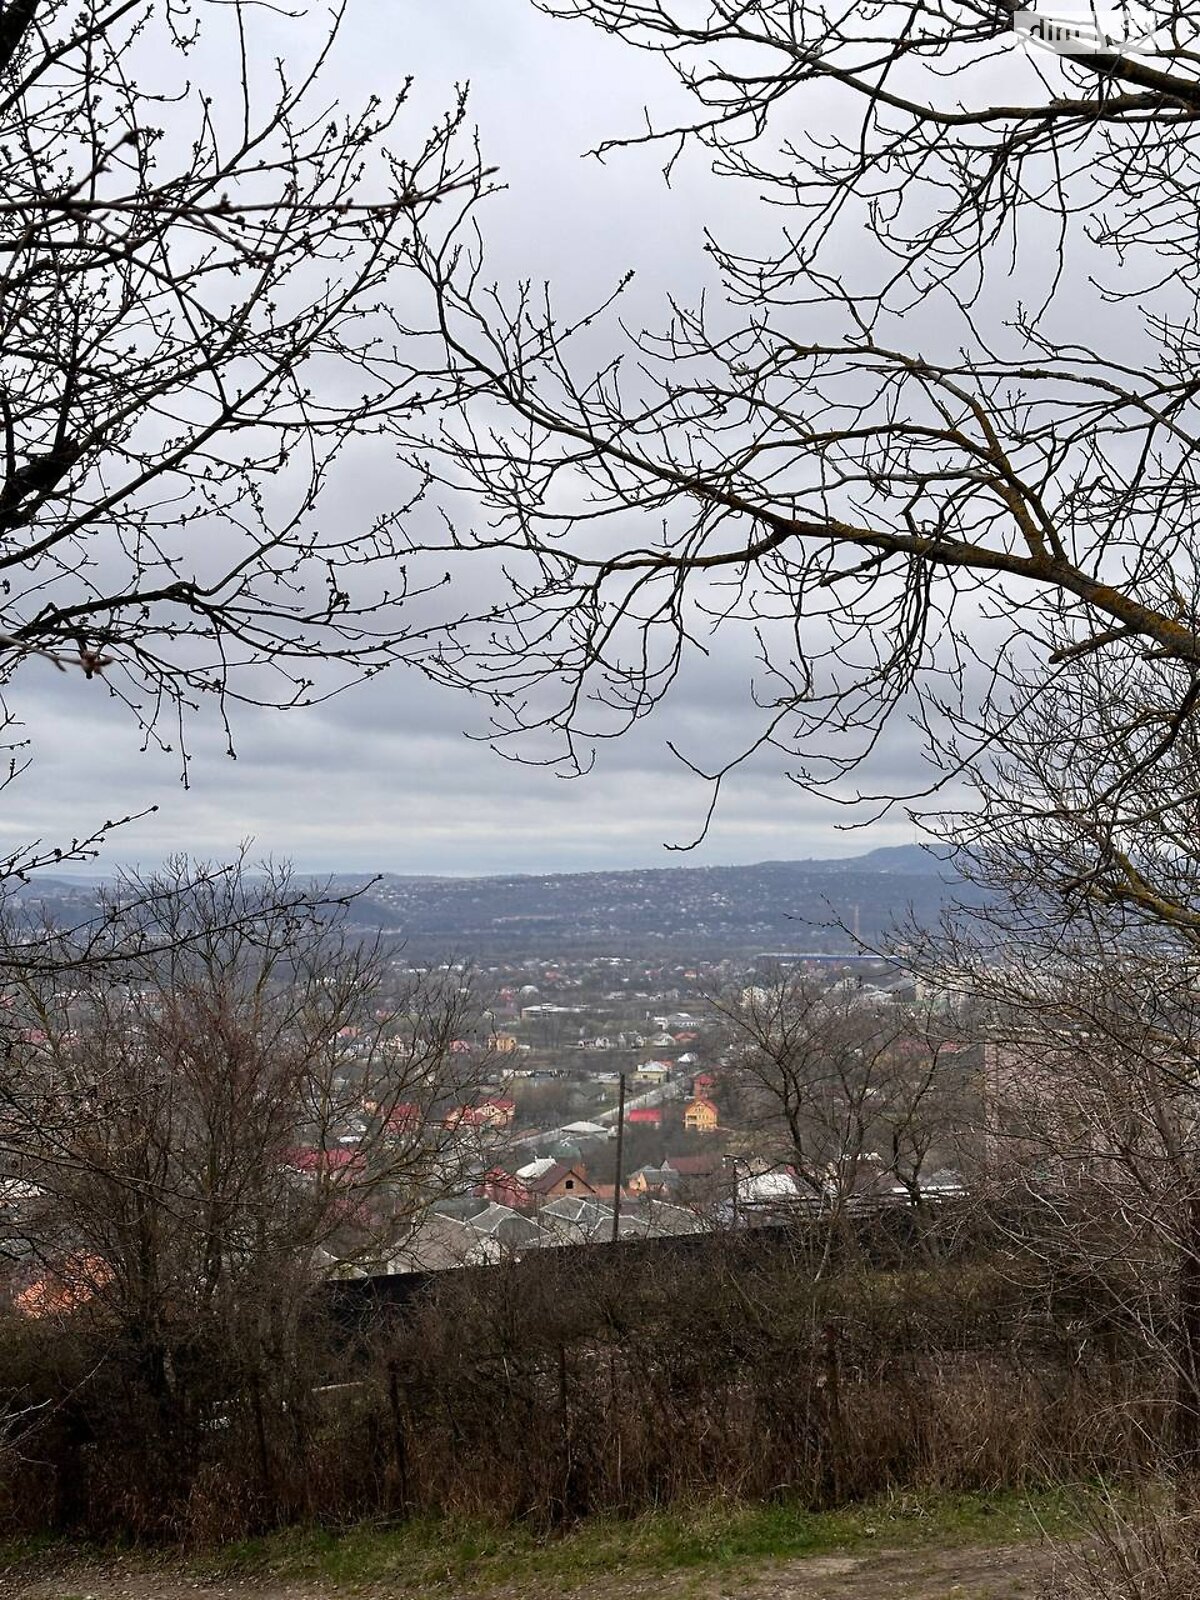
[387, 776]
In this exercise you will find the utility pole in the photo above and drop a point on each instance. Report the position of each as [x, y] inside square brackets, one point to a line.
[616, 1233]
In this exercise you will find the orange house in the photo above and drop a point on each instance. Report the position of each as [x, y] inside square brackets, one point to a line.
[499, 1111]
[559, 1178]
[700, 1116]
[65, 1288]
[562, 1179]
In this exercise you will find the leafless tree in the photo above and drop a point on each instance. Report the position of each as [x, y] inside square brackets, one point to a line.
[857, 1097]
[205, 1133]
[198, 258]
[1082, 960]
[250, 1060]
[941, 419]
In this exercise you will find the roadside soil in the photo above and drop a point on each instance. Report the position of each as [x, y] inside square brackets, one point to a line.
[971, 1572]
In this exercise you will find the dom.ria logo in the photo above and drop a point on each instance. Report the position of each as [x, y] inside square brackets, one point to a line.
[1089, 30]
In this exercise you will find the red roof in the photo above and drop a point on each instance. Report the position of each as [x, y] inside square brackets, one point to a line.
[500, 1175]
[651, 1114]
[308, 1159]
[404, 1118]
[466, 1117]
[500, 1103]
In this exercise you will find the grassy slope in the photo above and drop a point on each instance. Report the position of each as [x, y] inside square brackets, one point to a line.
[432, 1556]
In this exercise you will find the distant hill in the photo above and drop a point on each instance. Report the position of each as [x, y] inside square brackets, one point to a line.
[772, 906]
[910, 858]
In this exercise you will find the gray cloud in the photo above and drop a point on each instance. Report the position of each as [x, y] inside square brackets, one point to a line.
[384, 776]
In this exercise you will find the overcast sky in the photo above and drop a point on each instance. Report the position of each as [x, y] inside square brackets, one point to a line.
[386, 777]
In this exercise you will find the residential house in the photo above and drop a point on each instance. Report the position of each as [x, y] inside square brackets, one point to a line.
[538, 1168]
[700, 1116]
[499, 1111]
[460, 1118]
[439, 1244]
[653, 1073]
[699, 1179]
[700, 1166]
[575, 1219]
[659, 1182]
[502, 1230]
[645, 1116]
[563, 1178]
[531, 1185]
[504, 1188]
[404, 1118]
[661, 1218]
[339, 1163]
[768, 1192]
[66, 1287]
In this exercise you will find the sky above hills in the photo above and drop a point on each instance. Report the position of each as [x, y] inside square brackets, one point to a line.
[388, 776]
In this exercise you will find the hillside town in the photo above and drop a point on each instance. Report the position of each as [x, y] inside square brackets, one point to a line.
[542, 1163]
[606, 1102]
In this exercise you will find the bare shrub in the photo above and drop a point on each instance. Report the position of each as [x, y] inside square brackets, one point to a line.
[214, 1122]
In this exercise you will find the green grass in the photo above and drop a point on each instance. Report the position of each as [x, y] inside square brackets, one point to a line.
[433, 1556]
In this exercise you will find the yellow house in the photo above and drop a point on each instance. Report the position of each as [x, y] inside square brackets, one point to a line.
[653, 1072]
[700, 1116]
[503, 1043]
[499, 1111]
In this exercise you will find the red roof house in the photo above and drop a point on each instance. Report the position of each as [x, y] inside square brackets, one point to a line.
[499, 1110]
[338, 1161]
[466, 1117]
[649, 1116]
[404, 1118]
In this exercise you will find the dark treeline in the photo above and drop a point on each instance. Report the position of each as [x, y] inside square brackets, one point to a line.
[581, 1381]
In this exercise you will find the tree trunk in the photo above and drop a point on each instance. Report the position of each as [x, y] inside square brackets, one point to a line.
[1187, 1354]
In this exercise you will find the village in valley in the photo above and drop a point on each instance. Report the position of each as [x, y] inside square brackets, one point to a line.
[545, 1156]
[463, 1113]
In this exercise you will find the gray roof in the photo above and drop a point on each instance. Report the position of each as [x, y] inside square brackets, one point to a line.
[437, 1245]
[504, 1224]
[659, 1177]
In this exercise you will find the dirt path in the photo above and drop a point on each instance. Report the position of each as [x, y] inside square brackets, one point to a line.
[973, 1572]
